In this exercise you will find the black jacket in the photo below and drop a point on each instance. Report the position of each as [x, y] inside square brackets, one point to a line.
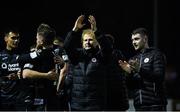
[148, 83]
[117, 99]
[88, 74]
[9, 89]
[12, 92]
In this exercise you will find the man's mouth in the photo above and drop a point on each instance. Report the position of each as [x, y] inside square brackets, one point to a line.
[135, 45]
[87, 47]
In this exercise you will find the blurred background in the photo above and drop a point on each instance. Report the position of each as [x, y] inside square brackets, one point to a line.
[119, 18]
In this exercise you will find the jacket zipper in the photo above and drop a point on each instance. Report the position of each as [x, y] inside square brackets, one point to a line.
[154, 88]
[140, 96]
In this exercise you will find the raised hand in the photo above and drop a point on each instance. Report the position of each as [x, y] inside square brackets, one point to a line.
[92, 21]
[79, 23]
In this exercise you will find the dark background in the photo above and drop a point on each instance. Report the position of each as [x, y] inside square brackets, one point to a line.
[118, 17]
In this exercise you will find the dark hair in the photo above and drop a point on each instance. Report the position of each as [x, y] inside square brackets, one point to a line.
[141, 31]
[47, 32]
[110, 38]
[10, 29]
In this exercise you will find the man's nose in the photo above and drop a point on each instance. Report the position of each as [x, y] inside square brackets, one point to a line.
[88, 41]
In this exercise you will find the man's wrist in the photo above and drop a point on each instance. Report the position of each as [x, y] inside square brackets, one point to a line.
[75, 29]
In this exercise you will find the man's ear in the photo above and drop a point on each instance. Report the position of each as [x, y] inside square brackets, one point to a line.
[5, 38]
[146, 38]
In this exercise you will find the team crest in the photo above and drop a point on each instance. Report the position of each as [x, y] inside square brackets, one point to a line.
[4, 66]
[146, 60]
[94, 60]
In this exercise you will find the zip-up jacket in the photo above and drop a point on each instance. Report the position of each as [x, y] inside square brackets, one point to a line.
[89, 74]
[148, 82]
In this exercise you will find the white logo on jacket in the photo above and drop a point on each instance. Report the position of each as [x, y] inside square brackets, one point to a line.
[146, 60]
[4, 66]
[94, 60]
[10, 67]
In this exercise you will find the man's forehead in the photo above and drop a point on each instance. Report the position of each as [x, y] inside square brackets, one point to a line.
[39, 36]
[12, 34]
[136, 35]
[88, 36]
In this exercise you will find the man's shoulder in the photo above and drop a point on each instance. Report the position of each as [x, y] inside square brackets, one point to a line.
[156, 51]
[3, 53]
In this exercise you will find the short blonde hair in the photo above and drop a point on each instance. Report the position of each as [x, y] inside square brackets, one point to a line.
[88, 31]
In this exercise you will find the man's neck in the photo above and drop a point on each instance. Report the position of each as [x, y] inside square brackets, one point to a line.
[146, 47]
[9, 48]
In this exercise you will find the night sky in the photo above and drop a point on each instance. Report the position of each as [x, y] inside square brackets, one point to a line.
[118, 17]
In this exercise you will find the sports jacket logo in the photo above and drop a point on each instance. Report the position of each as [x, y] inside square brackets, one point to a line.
[146, 60]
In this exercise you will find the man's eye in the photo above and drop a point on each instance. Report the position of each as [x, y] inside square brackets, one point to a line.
[14, 37]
